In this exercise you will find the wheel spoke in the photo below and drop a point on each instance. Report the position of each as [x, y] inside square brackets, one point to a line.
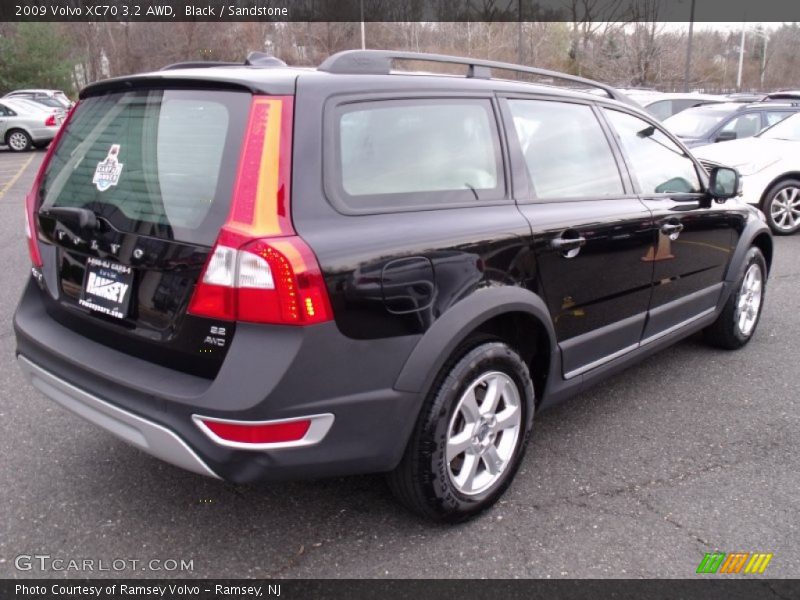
[493, 392]
[508, 418]
[459, 443]
[466, 477]
[469, 407]
[743, 321]
[492, 460]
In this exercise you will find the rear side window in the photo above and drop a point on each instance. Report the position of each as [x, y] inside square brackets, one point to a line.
[776, 117]
[393, 155]
[153, 162]
[565, 150]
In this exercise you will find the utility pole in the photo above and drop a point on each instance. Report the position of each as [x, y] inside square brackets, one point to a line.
[687, 71]
[363, 32]
[741, 62]
[520, 52]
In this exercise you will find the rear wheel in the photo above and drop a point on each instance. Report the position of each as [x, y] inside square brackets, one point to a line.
[737, 322]
[782, 207]
[18, 141]
[470, 436]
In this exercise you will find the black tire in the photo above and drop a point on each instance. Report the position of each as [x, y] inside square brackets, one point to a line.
[780, 193]
[18, 140]
[424, 479]
[726, 331]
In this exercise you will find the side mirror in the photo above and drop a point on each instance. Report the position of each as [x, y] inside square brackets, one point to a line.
[726, 136]
[723, 183]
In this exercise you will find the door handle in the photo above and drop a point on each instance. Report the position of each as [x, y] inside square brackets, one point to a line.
[569, 247]
[673, 230]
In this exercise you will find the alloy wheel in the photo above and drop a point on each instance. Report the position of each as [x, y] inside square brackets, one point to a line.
[18, 141]
[748, 303]
[483, 433]
[785, 208]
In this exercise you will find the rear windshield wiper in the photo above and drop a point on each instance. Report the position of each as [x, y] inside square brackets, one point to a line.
[84, 218]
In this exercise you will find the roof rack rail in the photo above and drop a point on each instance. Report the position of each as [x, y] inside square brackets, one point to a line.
[198, 64]
[379, 62]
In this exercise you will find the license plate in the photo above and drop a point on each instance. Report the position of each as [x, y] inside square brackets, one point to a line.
[107, 287]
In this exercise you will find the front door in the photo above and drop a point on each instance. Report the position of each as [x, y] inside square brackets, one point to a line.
[695, 234]
[591, 233]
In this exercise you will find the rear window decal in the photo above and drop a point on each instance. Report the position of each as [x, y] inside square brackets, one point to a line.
[108, 171]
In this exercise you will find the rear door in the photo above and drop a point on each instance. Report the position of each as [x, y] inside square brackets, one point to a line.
[591, 234]
[130, 204]
[695, 235]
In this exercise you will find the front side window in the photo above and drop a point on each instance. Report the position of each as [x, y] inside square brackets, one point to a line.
[565, 150]
[659, 165]
[398, 154]
[744, 126]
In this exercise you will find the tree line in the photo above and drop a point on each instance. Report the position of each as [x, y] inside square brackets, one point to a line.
[625, 54]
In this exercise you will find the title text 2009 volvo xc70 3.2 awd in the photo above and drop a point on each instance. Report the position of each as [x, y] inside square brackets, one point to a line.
[257, 272]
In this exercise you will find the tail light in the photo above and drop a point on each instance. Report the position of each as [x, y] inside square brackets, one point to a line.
[50, 121]
[260, 270]
[32, 199]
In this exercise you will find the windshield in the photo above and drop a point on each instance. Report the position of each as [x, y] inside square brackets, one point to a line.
[788, 129]
[694, 123]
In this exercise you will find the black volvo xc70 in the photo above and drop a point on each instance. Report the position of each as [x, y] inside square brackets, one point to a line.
[257, 272]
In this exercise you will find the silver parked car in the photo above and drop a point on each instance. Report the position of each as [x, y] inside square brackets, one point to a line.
[51, 98]
[24, 125]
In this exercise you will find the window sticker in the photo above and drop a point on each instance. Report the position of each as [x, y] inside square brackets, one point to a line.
[108, 171]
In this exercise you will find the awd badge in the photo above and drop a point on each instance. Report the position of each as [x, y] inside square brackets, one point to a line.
[108, 171]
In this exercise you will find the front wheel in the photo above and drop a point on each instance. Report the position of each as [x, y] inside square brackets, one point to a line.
[737, 322]
[470, 436]
[782, 207]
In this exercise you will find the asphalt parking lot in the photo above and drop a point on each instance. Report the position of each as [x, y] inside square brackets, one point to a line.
[693, 451]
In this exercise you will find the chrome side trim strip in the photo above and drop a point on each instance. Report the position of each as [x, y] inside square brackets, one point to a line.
[320, 425]
[600, 361]
[150, 437]
[652, 338]
[678, 326]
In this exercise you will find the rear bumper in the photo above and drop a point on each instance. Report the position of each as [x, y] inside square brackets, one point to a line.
[145, 435]
[43, 134]
[269, 373]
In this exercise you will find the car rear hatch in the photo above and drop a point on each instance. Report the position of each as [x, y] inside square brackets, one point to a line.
[151, 223]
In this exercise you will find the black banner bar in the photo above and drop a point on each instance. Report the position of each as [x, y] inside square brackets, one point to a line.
[398, 10]
[739, 588]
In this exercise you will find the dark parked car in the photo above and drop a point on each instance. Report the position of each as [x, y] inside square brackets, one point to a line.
[724, 122]
[260, 273]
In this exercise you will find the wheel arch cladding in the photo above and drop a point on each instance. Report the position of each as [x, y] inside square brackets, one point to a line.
[779, 179]
[763, 242]
[756, 233]
[507, 313]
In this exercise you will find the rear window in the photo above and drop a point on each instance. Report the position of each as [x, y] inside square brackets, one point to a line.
[393, 155]
[153, 162]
